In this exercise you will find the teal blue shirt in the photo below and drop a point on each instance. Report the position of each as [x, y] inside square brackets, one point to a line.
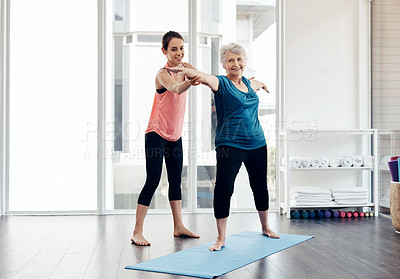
[237, 115]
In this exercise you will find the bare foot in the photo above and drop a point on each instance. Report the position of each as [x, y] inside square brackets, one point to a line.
[270, 234]
[138, 239]
[184, 232]
[219, 243]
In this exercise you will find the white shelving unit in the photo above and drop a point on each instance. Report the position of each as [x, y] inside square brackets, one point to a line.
[369, 146]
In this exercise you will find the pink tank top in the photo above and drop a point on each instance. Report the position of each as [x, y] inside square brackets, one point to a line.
[167, 114]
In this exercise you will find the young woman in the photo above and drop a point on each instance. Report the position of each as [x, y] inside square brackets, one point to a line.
[163, 137]
[239, 137]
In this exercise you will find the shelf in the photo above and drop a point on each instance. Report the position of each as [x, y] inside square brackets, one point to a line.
[283, 168]
[363, 140]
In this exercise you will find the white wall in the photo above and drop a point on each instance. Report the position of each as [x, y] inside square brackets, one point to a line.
[324, 40]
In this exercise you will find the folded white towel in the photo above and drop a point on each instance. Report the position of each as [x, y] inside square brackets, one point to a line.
[315, 162]
[349, 190]
[349, 195]
[346, 162]
[369, 161]
[355, 202]
[316, 195]
[334, 162]
[302, 196]
[310, 190]
[313, 200]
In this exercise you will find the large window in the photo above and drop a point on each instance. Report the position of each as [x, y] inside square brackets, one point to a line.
[53, 105]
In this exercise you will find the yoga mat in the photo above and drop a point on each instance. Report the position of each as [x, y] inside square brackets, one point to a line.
[240, 250]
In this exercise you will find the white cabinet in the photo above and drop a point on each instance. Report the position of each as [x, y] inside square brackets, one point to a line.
[330, 144]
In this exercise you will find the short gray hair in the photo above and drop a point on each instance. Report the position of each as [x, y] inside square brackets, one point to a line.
[232, 47]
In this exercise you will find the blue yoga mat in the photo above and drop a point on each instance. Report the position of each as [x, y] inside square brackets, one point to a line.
[240, 250]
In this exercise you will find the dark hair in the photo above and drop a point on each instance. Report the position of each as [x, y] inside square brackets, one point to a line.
[168, 37]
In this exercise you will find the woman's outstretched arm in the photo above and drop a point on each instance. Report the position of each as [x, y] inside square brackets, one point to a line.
[170, 84]
[206, 79]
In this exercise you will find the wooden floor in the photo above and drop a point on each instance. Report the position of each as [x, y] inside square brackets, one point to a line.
[99, 246]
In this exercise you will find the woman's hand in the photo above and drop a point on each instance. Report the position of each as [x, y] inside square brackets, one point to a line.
[194, 81]
[257, 85]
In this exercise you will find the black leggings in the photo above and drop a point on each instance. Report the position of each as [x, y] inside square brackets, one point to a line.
[229, 160]
[156, 149]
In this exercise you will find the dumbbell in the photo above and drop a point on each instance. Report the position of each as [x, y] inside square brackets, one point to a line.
[311, 214]
[349, 214]
[327, 213]
[295, 214]
[335, 214]
[342, 214]
[303, 214]
[319, 214]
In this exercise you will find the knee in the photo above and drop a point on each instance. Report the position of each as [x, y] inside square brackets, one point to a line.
[223, 188]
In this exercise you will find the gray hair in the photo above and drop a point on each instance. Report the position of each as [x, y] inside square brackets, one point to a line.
[232, 47]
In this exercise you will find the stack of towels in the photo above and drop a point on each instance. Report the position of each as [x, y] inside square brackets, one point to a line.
[345, 161]
[350, 195]
[318, 196]
[310, 196]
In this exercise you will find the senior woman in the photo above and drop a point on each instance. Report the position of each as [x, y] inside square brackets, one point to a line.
[239, 137]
